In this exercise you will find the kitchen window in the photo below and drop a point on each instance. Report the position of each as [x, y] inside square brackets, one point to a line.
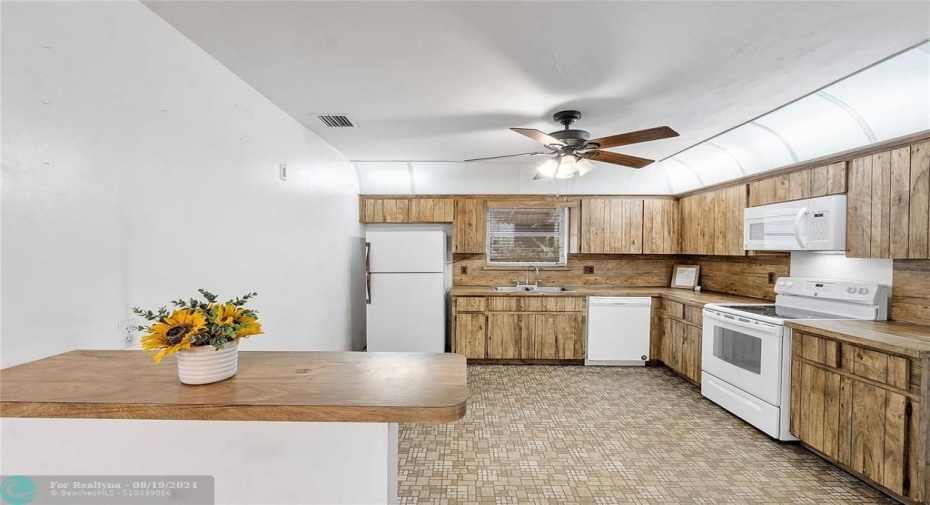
[527, 236]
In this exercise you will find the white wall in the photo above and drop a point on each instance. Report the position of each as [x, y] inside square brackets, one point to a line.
[136, 169]
[838, 266]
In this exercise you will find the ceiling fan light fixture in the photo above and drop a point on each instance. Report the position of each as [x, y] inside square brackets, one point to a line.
[567, 167]
[548, 169]
[585, 166]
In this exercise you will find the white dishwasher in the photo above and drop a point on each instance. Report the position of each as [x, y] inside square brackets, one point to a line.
[618, 330]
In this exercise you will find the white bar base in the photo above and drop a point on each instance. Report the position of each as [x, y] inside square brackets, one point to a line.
[252, 462]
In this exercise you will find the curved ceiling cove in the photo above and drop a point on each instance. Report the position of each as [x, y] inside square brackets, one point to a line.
[883, 102]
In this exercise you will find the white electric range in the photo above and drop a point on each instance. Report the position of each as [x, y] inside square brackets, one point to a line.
[746, 349]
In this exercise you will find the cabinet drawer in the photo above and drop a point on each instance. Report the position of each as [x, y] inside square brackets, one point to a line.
[880, 367]
[675, 309]
[560, 304]
[504, 304]
[535, 304]
[470, 304]
[694, 314]
[816, 349]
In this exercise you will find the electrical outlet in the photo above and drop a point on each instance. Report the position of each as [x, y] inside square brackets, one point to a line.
[771, 277]
[588, 269]
[127, 332]
[463, 270]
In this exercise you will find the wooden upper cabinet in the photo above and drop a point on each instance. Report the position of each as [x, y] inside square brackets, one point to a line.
[469, 226]
[888, 204]
[612, 226]
[405, 210]
[660, 226]
[711, 222]
[818, 181]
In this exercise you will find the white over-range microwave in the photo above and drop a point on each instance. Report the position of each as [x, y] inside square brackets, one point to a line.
[813, 224]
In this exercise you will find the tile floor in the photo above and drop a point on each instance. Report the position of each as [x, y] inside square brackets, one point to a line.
[554, 435]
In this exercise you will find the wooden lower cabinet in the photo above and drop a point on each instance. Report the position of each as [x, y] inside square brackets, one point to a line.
[519, 328]
[511, 336]
[677, 342]
[559, 336]
[471, 335]
[871, 429]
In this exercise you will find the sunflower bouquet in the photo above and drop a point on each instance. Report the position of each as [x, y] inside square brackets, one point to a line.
[195, 323]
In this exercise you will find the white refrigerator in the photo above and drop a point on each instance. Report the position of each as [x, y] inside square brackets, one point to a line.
[405, 291]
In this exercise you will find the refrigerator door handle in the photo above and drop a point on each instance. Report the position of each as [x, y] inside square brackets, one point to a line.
[367, 256]
[368, 288]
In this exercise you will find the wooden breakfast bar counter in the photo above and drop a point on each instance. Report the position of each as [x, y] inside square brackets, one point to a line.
[290, 427]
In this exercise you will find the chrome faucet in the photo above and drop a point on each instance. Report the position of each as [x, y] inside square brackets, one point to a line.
[535, 277]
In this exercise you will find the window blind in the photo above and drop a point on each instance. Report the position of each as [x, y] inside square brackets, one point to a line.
[523, 236]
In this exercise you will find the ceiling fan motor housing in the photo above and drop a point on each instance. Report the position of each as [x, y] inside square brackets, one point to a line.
[575, 138]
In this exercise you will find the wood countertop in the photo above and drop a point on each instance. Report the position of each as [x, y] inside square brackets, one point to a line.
[269, 386]
[687, 296]
[892, 336]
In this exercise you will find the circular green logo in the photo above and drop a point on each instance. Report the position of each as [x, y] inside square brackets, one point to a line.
[18, 490]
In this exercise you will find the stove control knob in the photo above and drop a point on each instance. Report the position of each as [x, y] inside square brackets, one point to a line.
[781, 283]
[863, 291]
[790, 284]
[851, 290]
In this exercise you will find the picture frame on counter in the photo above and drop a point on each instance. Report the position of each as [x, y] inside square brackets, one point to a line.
[685, 276]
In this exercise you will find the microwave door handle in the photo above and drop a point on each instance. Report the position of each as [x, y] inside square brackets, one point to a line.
[797, 228]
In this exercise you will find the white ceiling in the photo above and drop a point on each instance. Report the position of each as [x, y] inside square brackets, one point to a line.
[444, 80]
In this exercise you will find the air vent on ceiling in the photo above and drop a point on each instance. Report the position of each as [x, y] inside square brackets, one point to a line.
[336, 121]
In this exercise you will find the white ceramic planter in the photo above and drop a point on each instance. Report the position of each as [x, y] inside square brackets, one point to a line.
[205, 364]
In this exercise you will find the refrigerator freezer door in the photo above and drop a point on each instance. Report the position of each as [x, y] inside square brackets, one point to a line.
[406, 251]
[406, 313]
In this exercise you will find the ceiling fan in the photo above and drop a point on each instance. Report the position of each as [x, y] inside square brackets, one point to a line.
[571, 149]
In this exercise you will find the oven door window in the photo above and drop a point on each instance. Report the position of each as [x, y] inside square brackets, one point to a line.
[738, 349]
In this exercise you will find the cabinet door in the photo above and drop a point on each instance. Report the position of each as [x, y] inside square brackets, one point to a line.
[612, 226]
[470, 335]
[878, 426]
[431, 210]
[469, 226]
[676, 341]
[888, 204]
[660, 226]
[511, 336]
[820, 409]
[691, 353]
[559, 336]
[657, 335]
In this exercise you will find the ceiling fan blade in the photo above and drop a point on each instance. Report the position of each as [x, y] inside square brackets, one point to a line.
[617, 159]
[538, 136]
[505, 156]
[662, 132]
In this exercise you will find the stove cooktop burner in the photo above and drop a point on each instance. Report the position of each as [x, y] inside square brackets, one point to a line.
[772, 310]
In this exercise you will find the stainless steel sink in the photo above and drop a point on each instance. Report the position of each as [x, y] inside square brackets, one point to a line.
[540, 289]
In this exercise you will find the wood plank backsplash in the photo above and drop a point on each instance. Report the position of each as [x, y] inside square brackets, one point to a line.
[746, 276]
[910, 291]
[609, 270]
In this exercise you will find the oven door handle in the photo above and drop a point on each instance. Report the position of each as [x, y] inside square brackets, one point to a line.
[762, 326]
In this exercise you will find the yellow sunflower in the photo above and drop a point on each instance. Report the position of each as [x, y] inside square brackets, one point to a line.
[250, 326]
[225, 313]
[173, 333]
